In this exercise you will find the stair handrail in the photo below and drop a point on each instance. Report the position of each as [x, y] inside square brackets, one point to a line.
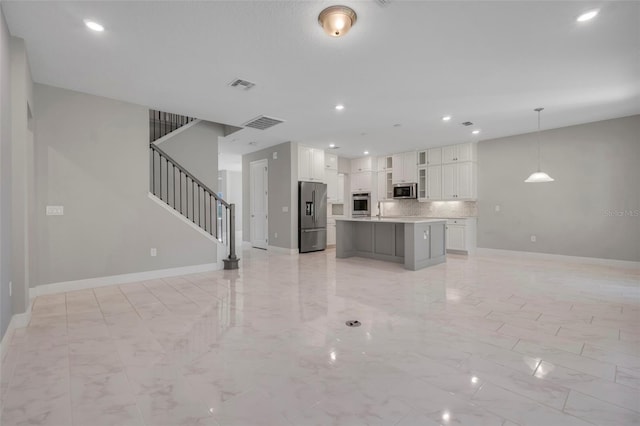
[192, 177]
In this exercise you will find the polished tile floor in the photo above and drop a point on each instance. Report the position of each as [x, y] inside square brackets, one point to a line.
[475, 341]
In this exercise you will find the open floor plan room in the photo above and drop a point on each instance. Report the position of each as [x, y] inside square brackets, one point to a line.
[488, 340]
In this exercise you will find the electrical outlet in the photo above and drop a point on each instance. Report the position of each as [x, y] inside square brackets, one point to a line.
[276, 235]
[533, 238]
[154, 252]
[497, 208]
[275, 155]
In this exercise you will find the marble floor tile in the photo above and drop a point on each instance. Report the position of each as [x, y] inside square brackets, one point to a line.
[484, 340]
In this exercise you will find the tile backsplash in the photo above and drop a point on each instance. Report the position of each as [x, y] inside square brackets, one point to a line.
[428, 209]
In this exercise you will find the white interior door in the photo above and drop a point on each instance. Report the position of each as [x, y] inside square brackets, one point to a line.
[259, 230]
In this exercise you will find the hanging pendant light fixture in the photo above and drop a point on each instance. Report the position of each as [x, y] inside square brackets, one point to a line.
[337, 20]
[539, 176]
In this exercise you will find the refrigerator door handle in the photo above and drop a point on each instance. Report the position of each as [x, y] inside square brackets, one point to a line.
[313, 230]
[313, 201]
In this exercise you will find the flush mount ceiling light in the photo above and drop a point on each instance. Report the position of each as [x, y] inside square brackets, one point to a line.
[92, 25]
[336, 21]
[539, 176]
[587, 16]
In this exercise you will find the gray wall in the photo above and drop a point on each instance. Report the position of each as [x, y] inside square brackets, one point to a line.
[281, 177]
[92, 157]
[582, 213]
[5, 176]
[196, 149]
[230, 184]
[22, 180]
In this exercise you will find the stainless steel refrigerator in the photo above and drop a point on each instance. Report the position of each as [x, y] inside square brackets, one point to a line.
[312, 216]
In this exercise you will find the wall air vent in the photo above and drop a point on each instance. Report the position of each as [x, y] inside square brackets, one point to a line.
[238, 83]
[467, 123]
[262, 122]
[383, 2]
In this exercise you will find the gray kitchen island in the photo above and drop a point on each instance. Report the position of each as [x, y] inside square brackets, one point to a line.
[416, 242]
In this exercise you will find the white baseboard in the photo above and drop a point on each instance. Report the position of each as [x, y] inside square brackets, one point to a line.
[62, 287]
[625, 264]
[281, 250]
[17, 321]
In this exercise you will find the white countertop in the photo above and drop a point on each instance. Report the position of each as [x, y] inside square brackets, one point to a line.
[391, 219]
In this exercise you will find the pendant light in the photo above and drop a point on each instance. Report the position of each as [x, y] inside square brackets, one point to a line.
[337, 20]
[539, 176]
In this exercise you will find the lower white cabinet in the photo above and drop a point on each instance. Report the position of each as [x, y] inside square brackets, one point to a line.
[461, 235]
[331, 232]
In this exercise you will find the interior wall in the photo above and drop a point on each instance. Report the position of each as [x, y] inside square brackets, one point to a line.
[280, 177]
[591, 210]
[230, 185]
[196, 149]
[92, 157]
[22, 188]
[5, 176]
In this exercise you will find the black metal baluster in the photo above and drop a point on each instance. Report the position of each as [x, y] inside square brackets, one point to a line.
[193, 204]
[199, 209]
[167, 168]
[180, 190]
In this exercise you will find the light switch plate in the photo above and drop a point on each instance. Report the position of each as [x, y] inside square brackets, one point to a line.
[275, 155]
[154, 252]
[55, 210]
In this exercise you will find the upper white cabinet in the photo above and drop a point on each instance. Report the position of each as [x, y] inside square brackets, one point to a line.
[331, 177]
[361, 182]
[405, 167]
[430, 157]
[459, 181]
[385, 185]
[330, 161]
[429, 183]
[385, 163]
[462, 152]
[340, 196]
[311, 164]
[363, 164]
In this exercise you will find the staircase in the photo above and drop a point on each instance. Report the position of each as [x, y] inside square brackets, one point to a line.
[185, 193]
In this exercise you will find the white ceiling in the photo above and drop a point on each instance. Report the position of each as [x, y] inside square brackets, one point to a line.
[406, 63]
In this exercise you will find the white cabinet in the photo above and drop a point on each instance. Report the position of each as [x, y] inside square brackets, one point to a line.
[363, 164]
[405, 167]
[385, 163]
[331, 177]
[331, 232]
[459, 181]
[385, 185]
[429, 183]
[310, 164]
[361, 182]
[461, 235]
[462, 152]
[430, 157]
[340, 191]
[330, 161]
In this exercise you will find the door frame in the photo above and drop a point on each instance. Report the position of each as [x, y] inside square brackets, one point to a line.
[264, 163]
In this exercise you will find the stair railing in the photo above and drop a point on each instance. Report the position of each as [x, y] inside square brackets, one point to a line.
[162, 123]
[186, 194]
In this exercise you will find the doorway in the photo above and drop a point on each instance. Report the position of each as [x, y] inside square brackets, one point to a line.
[258, 209]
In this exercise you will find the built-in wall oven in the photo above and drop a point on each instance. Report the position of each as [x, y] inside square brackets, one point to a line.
[361, 204]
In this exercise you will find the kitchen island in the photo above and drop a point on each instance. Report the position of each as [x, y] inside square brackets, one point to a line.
[415, 242]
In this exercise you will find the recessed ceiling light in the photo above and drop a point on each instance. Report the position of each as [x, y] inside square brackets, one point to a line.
[446, 118]
[587, 16]
[332, 145]
[366, 153]
[397, 125]
[92, 25]
[475, 132]
[339, 107]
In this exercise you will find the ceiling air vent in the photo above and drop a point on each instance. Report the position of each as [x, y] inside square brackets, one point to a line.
[262, 122]
[467, 123]
[241, 84]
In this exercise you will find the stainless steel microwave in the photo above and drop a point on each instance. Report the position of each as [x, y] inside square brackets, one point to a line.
[405, 190]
